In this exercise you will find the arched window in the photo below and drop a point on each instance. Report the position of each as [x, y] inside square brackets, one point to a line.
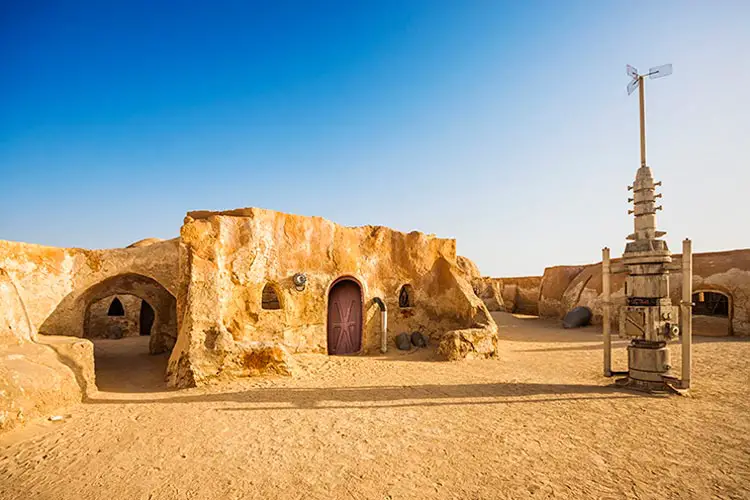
[115, 308]
[406, 297]
[270, 298]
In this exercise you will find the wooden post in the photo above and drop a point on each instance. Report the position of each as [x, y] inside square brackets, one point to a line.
[605, 313]
[686, 308]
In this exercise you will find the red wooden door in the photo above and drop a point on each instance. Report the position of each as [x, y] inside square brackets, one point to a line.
[344, 318]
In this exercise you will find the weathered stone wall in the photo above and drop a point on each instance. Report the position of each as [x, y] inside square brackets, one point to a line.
[50, 290]
[521, 294]
[58, 285]
[555, 282]
[486, 288]
[15, 326]
[490, 290]
[725, 272]
[227, 258]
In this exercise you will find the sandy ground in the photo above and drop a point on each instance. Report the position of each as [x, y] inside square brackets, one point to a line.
[539, 422]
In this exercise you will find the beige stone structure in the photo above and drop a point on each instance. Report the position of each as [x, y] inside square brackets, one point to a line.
[47, 297]
[227, 297]
[228, 259]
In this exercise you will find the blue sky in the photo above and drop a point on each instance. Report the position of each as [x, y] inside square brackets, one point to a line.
[503, 125]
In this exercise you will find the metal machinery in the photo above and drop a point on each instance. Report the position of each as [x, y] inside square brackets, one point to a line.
[648, 318]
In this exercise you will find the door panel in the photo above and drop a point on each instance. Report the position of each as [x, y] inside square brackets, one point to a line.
[345, 318]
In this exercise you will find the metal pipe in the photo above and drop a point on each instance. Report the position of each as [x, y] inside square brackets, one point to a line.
[686, 308]
[383, 324]
[642, 101]
[605, 313]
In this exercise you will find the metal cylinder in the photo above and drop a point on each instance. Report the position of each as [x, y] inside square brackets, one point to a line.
[686, 308]
[606, 312]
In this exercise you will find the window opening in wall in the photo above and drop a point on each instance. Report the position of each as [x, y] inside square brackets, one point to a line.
[115, 308]
[270, 298]
[405, 297]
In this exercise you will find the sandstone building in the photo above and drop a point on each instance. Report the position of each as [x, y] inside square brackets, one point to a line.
[238, 293]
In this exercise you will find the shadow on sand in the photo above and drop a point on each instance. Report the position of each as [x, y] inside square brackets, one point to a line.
[325, 398]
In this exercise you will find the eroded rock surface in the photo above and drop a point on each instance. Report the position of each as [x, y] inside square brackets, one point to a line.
[469, 343]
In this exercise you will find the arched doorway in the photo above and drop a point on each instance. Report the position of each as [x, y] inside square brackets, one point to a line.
[131, 345]
[145, 319]
[345, 317]
[711, 313]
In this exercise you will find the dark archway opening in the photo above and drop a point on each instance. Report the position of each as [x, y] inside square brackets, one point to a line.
[116, 308]
[711, 313]
[145, 319]
[130, 351]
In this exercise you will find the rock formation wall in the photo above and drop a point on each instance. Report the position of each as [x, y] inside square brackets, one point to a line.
[227, 258]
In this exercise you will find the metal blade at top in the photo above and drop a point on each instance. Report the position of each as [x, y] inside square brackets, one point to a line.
[631, 71]
[660, 71]
[633, 85]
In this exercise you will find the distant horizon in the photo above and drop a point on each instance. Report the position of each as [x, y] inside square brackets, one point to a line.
[615, 255]
[504, 126]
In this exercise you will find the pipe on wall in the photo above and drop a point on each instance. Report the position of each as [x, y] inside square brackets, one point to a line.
[384, 324]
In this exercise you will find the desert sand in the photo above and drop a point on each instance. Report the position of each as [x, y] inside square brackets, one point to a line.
[538, 422]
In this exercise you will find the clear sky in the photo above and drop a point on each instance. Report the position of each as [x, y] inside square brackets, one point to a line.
[503, 125]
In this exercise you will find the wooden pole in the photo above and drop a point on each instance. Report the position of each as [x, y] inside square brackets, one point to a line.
[687, 312]
[605, 313]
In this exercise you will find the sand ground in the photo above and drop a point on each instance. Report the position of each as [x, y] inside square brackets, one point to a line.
[539, 422]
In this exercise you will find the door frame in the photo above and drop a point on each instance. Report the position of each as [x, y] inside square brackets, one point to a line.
[347, 277]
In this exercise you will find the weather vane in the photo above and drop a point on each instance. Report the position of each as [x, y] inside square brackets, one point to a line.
[638, 83]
